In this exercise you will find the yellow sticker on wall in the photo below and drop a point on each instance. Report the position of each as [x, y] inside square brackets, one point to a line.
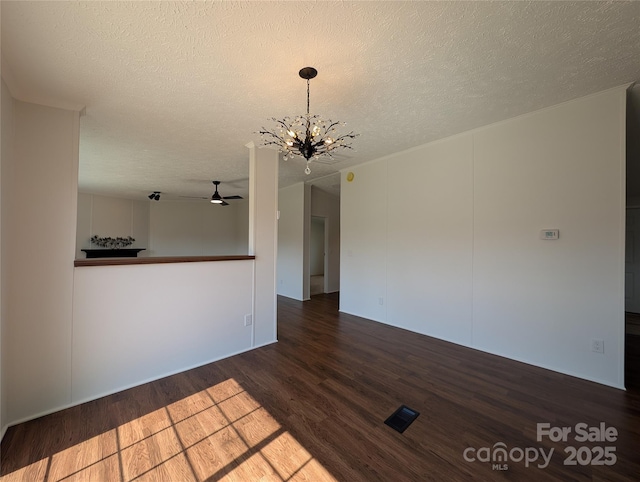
[350, 176]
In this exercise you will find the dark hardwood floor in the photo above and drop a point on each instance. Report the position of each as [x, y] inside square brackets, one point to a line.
[312, 406]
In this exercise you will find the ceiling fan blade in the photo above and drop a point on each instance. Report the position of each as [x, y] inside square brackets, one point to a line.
[232, 197]
[193, 197]
[224, 203]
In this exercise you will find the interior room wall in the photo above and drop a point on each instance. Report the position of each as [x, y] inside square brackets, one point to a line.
[165, 228]
[83, 224]
[40, 242]
[52, 354]
[6, 130]
[429, 239]
[114, 217]
[263, 241]
[140, 226]
[461, 257]
[179, 228]
[291, 237]
[242, 226]
[138, 323]
[563, 168]
[306, 226]
[316, 254]
[363, 242]
[197, 228]
[6, 127]
[327, 206]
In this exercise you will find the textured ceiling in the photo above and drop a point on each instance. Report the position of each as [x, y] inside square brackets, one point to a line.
[174, 90]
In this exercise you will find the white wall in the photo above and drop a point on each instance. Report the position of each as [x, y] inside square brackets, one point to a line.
[429, 240]
[140, 226]
[165, 228]
[316, 246]
[363, 242]
[132, 324]
[306, 246]
[39, 240]
[198, 228]
[291, 240]
[114, 217]
[327, 206]
[83, 223]
[6, 129]
[458, 255]
[263, 241]
[142, 322]
[54, 330]
[6, 115]
[562, 168]
[242, 226]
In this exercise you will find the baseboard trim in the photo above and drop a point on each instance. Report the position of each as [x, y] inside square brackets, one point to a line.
[263, 344]
[502, 355]
[126, 387]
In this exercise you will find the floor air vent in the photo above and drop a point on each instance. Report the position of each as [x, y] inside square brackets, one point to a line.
[402, 418]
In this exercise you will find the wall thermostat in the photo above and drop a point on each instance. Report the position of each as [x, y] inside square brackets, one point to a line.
[550, 234]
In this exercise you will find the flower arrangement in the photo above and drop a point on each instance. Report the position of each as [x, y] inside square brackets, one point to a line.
[112, 243]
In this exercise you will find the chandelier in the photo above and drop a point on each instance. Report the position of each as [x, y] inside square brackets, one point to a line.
[307, 136]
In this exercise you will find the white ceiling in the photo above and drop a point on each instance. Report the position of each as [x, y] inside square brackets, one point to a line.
[174, 90]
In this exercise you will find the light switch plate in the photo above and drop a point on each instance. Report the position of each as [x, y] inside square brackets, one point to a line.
[550, 234]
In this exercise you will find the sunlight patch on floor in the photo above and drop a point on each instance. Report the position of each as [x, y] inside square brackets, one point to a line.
[221, 433]
[34, 472]
[95, 451]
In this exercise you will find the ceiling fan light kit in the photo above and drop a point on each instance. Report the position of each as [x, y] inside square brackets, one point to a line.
[308, 136]
[216, 198]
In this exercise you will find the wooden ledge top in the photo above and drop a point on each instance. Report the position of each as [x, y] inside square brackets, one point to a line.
[159, 260]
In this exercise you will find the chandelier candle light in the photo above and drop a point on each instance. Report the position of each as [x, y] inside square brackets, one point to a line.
[308, 136]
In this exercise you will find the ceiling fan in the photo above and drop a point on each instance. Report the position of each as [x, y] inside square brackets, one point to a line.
[218, 199]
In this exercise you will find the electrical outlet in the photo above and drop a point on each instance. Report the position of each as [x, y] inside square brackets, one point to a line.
[248, 320]
[597, 346]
